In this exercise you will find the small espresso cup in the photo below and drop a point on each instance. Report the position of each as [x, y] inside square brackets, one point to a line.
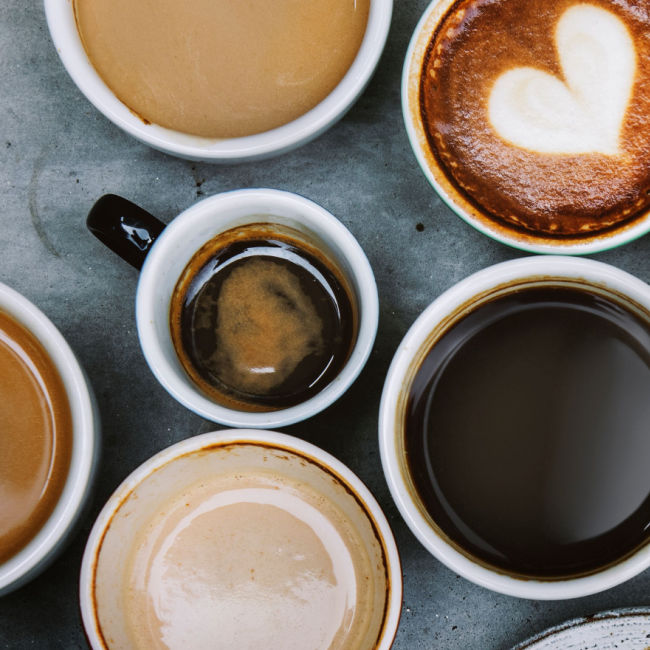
[163, 253]
[457, 187]
[296, 553]
[450, 517]
[50, 539]
[65, 35]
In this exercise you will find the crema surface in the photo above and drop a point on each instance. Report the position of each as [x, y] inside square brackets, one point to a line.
[218, 68]
[537, 111]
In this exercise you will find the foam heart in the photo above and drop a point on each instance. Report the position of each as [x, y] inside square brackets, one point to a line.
[582, 114]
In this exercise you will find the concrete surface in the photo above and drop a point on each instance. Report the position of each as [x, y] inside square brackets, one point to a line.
[58, 154]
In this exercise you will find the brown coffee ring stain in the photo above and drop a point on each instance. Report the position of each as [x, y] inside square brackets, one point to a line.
[32, 199]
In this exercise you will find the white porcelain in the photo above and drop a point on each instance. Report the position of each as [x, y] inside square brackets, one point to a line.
[51, 539]
[539, 270]
[168, 473]
[415, 54]
[63, 29]
[204, 220]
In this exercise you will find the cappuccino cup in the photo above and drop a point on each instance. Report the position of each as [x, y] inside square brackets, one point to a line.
[255, 308]
[241, 539]
[50, 441]
[527, 119]
[513, 423]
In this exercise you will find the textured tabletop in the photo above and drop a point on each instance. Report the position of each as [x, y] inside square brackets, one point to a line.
[58, 154]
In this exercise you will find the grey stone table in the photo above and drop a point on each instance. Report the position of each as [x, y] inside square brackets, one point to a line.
[58, 154]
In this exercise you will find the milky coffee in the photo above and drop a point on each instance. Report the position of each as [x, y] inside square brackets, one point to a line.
[221, 68]
[35, 436]
[536, 111]
[269, 552]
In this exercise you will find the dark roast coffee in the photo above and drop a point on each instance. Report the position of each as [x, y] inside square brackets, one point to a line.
[260, 320]
[527, 432]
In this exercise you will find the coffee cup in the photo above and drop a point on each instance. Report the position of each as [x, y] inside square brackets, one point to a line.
[512, 427]
[241, 538]
[524, 118]
[267, 344]
[63, 29]
[50, 447]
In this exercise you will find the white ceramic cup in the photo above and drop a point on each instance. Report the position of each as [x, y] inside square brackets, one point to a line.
[52, 537]
[437, 318]
[148, 490]
[63, 29]
[456, 200]
[175, 246]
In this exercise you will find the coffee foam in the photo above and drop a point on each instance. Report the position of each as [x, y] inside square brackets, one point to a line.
[243, 567]
[246, 561]
[582, 113]
[479, 94]
[263, 299]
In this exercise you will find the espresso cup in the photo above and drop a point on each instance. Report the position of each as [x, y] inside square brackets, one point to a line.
[512, 429]
[243, 539]
[46, 533]
[511, 129]
[63, 29]
[165, 257]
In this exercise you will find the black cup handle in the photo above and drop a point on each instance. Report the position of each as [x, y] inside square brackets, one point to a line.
[124, 227]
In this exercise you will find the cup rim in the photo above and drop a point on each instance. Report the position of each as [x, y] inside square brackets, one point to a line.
[556, 267]
[530, 243]
[62, 27]
[179, 385]
[233, 436]
[49, 540]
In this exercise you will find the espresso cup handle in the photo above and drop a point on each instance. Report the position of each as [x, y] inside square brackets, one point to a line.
[124, 227]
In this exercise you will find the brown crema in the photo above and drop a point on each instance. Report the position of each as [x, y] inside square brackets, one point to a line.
[35, 436]
[558, 195]
[217, 68]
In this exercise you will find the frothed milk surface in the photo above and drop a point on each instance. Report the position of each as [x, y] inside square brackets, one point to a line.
[536, 111]
[248, 560]
[219, 68]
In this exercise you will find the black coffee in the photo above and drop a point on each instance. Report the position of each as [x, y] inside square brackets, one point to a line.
[260, 321]
[528, 432]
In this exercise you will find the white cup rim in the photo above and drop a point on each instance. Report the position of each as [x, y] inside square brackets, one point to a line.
[477, 284]
[44, 546]
[62, 26]
[234, 436]
[528, 243]
[176, 381]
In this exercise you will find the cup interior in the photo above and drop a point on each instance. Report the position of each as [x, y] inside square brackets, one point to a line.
[503, 279]
[108, 559]
[63, 29]
[449, 192]
[51, 538]
[189, 231]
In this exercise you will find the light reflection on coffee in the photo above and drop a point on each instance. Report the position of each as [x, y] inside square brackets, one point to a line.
[536, 111]
[240, 545]
[261, 319]
[526, 431]
[35, 436]
[218, 68]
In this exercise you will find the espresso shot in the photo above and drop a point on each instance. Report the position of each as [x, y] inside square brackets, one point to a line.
[261, 320]
[526, 432]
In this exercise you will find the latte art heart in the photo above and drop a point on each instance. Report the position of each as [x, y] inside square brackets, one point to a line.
[584, 112]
